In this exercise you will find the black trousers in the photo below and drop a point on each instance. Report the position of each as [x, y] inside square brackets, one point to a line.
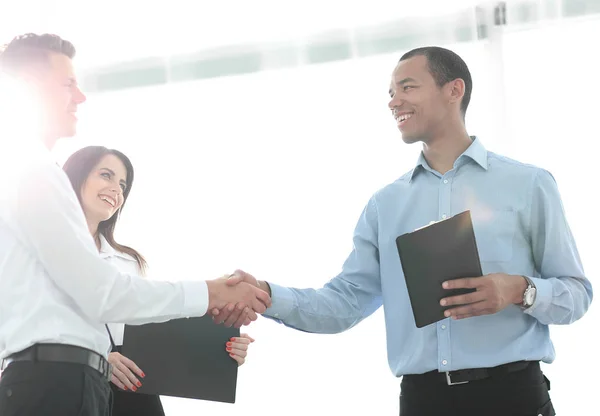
[49, 388]
[521, 393]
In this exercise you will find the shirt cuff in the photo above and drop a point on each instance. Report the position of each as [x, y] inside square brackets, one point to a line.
[282, 302]
[195, 298]
[543, 297]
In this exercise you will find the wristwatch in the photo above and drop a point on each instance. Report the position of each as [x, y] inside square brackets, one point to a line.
[529, 294]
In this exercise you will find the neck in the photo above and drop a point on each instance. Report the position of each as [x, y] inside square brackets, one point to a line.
[442, 151]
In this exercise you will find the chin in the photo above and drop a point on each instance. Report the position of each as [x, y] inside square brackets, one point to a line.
[410, 139]
[68, 129]
[68, 133]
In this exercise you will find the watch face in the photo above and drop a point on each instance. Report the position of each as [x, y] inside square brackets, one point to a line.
[530, 296]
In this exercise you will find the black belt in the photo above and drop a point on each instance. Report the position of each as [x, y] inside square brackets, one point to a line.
[62, 354]
[465, 376]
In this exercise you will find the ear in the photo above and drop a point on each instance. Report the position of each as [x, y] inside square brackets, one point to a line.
[456, 90]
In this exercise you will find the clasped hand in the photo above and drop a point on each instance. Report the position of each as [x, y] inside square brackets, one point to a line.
[237, 299]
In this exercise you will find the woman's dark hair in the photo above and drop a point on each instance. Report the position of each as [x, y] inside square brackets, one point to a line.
[78, 168]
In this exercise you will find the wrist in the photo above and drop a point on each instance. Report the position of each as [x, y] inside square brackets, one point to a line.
[263, 285]
[521, 287]
[212, 294]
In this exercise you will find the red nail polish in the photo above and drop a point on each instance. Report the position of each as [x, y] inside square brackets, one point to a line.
[228, 344]
[232, 339]
[125, 388]
[139, 384]
[228, 348]
[143, 375]
[133, 388]
[231, 355]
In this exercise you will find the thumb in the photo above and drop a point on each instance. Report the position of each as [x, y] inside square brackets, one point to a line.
[235, 278]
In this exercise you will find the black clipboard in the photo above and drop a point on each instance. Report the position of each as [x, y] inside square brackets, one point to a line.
[184, 358]
[444, 250]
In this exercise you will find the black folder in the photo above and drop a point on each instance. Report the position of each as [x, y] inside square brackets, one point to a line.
[184, 358]
[442, 251]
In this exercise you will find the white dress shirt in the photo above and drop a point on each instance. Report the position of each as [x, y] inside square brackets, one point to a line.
[54, 286]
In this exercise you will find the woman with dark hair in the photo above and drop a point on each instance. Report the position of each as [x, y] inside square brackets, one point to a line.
[102, 179]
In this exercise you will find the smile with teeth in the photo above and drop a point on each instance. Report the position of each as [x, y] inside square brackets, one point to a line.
[402, 118]
[108, 200]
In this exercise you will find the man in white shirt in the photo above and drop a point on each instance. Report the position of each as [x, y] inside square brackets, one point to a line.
[56, 293]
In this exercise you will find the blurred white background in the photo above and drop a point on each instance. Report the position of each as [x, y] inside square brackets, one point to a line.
[268, 171]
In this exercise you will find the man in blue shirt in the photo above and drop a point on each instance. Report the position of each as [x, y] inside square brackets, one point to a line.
[487, 364]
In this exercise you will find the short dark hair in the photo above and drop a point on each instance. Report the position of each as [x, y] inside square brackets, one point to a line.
[445, 66]
[30, 49]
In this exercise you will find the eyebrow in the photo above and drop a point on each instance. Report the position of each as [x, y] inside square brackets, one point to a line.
[114, 174]
[402, 82]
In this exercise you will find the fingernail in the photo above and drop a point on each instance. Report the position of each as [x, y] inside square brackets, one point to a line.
[447, 313]
[445, 285]
[139, 384]
[232, 339]
[228, 344]
[228, 348]
[125, 388]
[133, 388]
[232, 356]
[443, 302]
[143, 375]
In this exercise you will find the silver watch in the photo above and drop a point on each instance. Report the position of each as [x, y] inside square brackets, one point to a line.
[529, 294]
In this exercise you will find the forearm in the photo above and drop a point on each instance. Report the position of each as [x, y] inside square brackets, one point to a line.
[324, 310]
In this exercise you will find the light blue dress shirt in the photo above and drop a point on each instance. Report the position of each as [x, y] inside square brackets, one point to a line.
[520, 228]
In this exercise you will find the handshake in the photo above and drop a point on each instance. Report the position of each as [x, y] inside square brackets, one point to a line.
[236, 299]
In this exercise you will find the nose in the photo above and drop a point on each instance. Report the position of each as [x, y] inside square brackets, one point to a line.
[394, 102]
[78, 96]
[117, 190]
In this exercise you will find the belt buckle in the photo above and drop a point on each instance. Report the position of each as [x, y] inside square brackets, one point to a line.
[453, 383]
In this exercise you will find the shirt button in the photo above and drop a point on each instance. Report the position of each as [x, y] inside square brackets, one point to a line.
[444, 362]
[443, 216]
[445, 180]
[443, 326]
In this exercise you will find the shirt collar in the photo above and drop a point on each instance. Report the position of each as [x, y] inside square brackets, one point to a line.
[476, 152]
[107, 251]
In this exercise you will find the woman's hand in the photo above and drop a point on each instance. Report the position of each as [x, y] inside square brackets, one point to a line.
[123, 370]
[237, 347]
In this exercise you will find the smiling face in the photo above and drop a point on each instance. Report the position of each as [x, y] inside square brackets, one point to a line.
[45, 64]
[421, 108]
[102, 191]
[59, 96]
[62, 96]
